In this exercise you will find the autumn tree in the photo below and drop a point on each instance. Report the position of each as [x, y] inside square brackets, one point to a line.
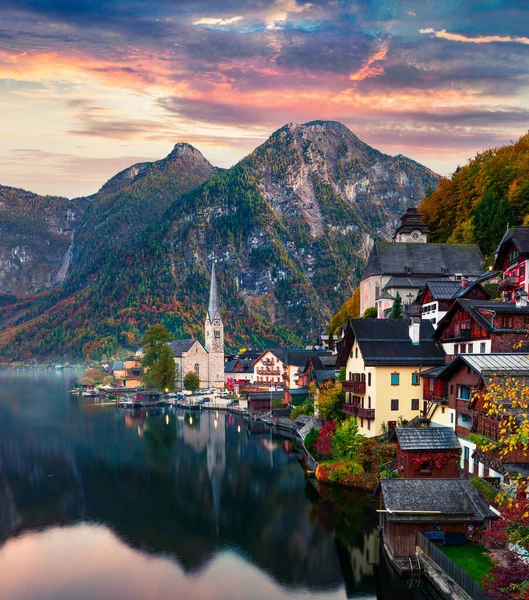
[91, 377]
[158, 362]
[329, 402]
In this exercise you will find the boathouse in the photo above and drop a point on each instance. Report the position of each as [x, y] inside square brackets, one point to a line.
[449, 510]
[433, 452]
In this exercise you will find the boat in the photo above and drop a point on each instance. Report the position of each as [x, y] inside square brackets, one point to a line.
[91, 393]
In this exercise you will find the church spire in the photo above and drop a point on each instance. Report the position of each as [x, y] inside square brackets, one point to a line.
[213, 307]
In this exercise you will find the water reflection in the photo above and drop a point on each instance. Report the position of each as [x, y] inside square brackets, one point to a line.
[95, 500]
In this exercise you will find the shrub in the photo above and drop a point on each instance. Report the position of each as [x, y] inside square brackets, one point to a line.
[508, 582]
[485, 489]
[310, 440]
[346, 473]
[324, 442]
[302, 409]
[329, 402]
[346, 441]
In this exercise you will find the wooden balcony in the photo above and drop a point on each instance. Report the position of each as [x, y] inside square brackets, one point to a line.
[462, 406]
[463, 432]
[509, 284]
[357, 387]
[359, 411]
[439, 399]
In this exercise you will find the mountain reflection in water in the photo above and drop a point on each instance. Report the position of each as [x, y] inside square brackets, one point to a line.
[98, 502]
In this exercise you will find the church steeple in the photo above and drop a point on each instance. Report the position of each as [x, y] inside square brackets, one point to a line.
[213, 307]
[413, 228]
[214, 335]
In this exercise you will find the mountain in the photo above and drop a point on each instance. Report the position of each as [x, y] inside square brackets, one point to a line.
[482, 198]
[35, 234]
[289, 228]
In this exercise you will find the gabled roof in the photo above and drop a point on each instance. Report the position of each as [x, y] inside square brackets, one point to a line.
[424, 260]
[443, 289]
[388, 342]
[519, 236]
[180, 346]
[455, 499]
[481, 311]
[405, 282]
[512, 365]
[298, 358]
[427, 438]
[118, 365]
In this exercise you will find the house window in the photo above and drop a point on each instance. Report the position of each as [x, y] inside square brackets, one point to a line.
[482, 348]
[463, 348]
[513, 255]
[368, 425]
[506, 322]
[197, 370]
[394, 405]
[470, 348]
[456, 348]
[463, 392]
[356, 352]
[466, 452]
[369, 402]
[369, 379]
[443, 410]
[415, 404]
[451, 389]
[217, 334]
[415, 378]
[401, 461]
[431, 384]
[395, 377]
[451, 418]
[362, 422]
[522, 270]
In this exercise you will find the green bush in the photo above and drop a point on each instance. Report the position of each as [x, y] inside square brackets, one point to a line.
[310, 440]
[302, 409]
[487, 491]
[346, 441]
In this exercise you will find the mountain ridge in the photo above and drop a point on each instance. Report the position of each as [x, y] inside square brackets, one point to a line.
[290, 225]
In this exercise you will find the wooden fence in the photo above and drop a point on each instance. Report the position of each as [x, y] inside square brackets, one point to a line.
[463, 580]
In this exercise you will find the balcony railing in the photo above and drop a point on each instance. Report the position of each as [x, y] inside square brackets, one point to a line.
[463, 432]
[462, 406]
[439, 399]
[464, 334]
[358, 387]
[509, 284]
[359, 411]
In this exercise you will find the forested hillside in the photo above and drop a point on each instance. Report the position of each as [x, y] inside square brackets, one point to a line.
[481, 198]
[289, 228]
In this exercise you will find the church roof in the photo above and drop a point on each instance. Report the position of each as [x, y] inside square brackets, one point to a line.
[213, 306]
[424, 260]
[180, 346]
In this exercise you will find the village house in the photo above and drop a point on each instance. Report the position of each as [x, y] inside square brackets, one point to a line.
[383, 361]
[127, 373]
[483, 326]
[437, 296]
[427, 452]
[512, 256]
[296, 389]
[467, 378]
[446, 508]
[239, 373]
[318, 369]
[269, 368]
[410, 261]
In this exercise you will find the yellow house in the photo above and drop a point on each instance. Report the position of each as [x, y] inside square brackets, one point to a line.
[127, 373]
[383, 359]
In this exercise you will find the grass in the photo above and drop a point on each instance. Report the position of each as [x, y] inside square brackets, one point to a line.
[474, 560]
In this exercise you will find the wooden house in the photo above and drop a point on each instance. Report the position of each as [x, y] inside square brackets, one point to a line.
[432, 452]
[127, 373]
[512, 256]
[448, 506]
[482, 327]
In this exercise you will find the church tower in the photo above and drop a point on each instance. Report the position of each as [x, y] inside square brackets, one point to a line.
[214, 335]
[413, 228]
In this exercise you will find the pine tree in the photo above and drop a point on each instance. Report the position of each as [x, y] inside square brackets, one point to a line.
[397, 311]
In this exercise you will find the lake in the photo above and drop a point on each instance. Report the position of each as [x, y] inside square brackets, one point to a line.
[97, 502]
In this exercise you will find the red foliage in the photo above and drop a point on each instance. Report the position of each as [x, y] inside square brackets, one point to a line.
[323, 444]
[433, 459]
[508, 583]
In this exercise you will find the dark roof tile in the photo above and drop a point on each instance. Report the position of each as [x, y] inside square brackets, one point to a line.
[427, 438]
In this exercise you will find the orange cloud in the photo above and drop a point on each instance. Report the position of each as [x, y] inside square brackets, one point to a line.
[367, 70]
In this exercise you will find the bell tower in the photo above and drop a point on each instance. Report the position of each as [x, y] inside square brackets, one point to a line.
[412, 228]
[214, 336]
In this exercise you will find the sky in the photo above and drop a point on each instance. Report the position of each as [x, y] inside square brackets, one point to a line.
[89, 87]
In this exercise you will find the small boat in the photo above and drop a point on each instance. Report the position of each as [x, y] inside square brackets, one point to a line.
[91, 393]
[126, 402]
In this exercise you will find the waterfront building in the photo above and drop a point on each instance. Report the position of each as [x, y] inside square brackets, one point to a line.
[383, 361]
[427, 452]
[206, 361]
[127, 373]
[269, 368]
[407, 263]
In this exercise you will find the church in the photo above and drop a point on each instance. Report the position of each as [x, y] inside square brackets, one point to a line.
[206, 361]
[409, 261]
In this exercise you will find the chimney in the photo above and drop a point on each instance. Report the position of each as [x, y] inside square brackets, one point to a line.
[414, 325]
[464, 282]
[521, 299]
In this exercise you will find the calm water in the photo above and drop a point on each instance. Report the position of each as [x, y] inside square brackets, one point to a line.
[98, 503]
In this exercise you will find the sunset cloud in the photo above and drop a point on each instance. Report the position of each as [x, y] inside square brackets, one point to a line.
[100, 81]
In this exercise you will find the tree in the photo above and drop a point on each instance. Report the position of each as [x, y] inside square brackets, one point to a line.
[329, 402]
[346, 441]
[91, 377]
[191, 381]
[396, 311]
[370, 313]
[158, 363]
